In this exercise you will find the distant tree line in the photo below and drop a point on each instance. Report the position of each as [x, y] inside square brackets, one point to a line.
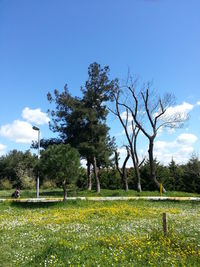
[18, 169]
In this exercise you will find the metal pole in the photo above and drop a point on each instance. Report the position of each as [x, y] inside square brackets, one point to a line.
[38, 178]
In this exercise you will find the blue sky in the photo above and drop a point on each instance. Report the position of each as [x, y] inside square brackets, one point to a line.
[45, 44]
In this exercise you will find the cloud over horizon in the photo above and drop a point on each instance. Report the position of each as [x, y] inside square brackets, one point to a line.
[180, 149]
[19, 132]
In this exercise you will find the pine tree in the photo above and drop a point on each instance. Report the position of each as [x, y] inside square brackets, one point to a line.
[81, 122]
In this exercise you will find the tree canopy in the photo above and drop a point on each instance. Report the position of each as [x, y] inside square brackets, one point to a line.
[81, 122]
[61, 163]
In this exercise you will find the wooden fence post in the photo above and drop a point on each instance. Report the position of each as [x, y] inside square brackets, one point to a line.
[165, 226]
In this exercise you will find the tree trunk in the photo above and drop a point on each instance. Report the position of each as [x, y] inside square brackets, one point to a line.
[122, 171]
[89, 176]
[96, 175]
[125, 183]
[139, 189]
[137, 171]
[152, 166]
[64, 190]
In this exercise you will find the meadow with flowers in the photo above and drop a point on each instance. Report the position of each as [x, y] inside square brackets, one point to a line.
[87, 233]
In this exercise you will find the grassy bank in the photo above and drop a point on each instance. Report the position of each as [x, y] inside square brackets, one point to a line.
[82, 233]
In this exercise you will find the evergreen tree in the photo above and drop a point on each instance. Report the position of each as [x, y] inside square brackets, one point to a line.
[61, 163]
[175, 179]
[81, 122]
[97, 144]
[192, 175]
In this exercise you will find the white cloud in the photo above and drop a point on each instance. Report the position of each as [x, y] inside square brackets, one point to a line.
[187, 139]
[122, 155]
[2, 149]
[174, 116]
[35, 116]
[122, 151]
[181, 110]
[180, 149]
[124, 116]
[19, 131]
[198, 103]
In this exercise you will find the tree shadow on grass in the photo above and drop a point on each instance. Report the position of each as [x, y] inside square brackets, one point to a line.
[43, 205]
[35, 205]
[52, 193]
[57, 193]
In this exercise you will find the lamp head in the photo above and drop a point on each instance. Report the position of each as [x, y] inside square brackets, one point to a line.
[35, 128]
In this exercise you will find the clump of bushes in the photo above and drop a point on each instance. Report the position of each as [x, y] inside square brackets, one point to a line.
[5, 184]
[48, 184]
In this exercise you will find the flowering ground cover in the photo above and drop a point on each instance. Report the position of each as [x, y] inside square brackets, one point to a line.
[86, 233]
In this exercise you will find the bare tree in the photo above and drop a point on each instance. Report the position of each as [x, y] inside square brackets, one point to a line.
[122, 171]
[155, 112]
[131, 135]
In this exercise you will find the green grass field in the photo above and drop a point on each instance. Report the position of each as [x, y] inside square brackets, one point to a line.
[86, 233]
[104, 192]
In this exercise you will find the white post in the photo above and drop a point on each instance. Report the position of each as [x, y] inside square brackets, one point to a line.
[38, 178]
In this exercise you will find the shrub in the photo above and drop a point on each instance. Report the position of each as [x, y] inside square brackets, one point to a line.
[48, 184]
[27, 182]
[5, 184]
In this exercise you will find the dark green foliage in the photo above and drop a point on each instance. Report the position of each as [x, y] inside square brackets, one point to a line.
[162, 175]
[65, 116]
[175, 181]
[81, 122]
[131, 178]
[175, 177]
[81, 182]
[44, 143]
[191, 178]
[110, 179]
[60, 162]
[17, 166]
[94, 137]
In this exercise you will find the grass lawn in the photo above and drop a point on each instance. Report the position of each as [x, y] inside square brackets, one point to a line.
[104, 192]
[86, 233]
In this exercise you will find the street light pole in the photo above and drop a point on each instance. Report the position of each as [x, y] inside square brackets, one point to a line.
[38, 179]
